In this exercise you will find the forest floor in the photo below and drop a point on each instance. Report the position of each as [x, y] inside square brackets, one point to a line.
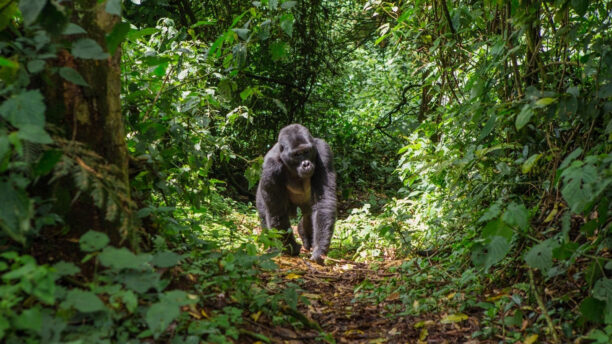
[337, 304]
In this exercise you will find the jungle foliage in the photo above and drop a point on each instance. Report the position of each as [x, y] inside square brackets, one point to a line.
[471, 138]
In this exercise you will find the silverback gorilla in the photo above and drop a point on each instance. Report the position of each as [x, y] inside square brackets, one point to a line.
[299, 172]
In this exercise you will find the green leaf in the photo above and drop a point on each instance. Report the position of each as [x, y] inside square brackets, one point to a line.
[29, 319]
[524, 116]
[34, 134]
[87, 48]
[488, 127]
[66, 268]
[570, 157]
[603, 290]
[4, 146]
[578, 189]
[568, 104]
[592, 310]
[130, 300]
[113, 7]
[542, 102]
[135, 34]
[497, 228]
[178, 297]
[516, 215]
[46, 162]
[73, 29]
[160, 315]
[491, 253]
[73, 76]
[83, 301]
[288, 4]
[166, 259]
[530, 162]
[4, 62]
[15, 213]
[540, 256]
[30, 9]
[286, 23]
[605, 91]
[36, 66]
[122, 258]
[26, 108]
[116, 37]
[278, 50]
[580, 6]
[93, 241]
[142, 282]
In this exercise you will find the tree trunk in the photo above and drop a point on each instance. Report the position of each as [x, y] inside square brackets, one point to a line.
[92, 116]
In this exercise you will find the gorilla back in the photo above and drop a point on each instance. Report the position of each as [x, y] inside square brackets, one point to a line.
[298, 171]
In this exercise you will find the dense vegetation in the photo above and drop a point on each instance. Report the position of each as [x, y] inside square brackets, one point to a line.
[472, 146]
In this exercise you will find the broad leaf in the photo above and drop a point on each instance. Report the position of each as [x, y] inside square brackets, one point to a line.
[117, 36]
[286, 23]
[578, 189]
[34, 133]
[491, 253]
[83, 301]
[524, 116]
[30, 9]
[516, 215]
[166, 259]
[87, 48]
[160, 315]
[26, 108]
[93, 241]
[15, 213]
[73, 76]
[540, 256]
[113, 7]
[122, 258]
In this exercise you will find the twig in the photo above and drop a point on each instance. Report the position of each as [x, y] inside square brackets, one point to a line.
[540, 302]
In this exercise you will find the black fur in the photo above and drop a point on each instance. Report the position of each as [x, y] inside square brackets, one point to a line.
[299, 172]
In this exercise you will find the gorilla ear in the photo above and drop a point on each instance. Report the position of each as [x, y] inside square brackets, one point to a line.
[281, 147]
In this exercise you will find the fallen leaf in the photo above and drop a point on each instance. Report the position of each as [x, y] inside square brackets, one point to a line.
[531, 339]
[353, 332]
[292, 276]
[424, 323]
[496, 297]
[195, 315]
[377, 341]
[393, 297]
[453, 318]
[424, 333]
[255, 316]
[450, 296]
[204, 314]
[311, 296]
[394, 332]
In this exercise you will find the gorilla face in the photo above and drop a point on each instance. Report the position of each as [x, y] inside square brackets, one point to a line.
[297, 151]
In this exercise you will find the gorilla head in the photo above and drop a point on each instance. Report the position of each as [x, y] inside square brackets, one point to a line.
[297, 150]
[298, 171]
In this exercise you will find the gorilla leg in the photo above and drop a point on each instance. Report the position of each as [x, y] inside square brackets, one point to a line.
[322, 232]
[305, 230]
[290, 246]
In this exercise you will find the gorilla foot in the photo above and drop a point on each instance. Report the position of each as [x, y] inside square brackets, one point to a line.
[317, 258]
[292, 249]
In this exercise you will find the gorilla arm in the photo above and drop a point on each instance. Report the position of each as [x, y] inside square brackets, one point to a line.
[273, 199]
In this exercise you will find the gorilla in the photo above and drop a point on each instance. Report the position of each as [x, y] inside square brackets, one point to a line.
[299, 172]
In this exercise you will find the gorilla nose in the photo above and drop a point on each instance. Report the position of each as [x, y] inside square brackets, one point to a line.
[306, 164]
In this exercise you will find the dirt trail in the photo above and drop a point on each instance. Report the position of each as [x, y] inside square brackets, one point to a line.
[331, 292]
